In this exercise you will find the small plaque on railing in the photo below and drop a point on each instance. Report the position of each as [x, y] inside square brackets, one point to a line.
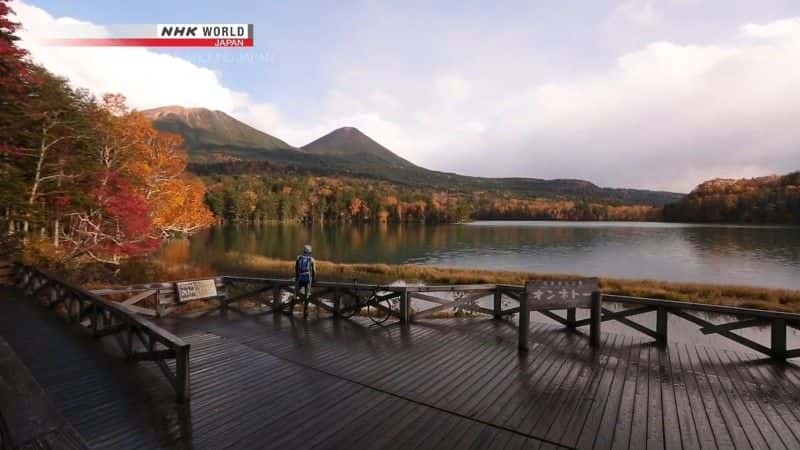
[196, 290]
[554, 294]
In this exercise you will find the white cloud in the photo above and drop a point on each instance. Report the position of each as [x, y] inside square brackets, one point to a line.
[638, 12]
[780, 29]
[148, 79]
[666, 115]
[452, 88]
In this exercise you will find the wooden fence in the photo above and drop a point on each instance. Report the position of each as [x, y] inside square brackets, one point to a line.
[418, 302]
[778, 322]
[138, 338]
[154, 299]
[414, 303]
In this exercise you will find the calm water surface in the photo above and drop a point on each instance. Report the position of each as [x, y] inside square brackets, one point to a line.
[745, 255]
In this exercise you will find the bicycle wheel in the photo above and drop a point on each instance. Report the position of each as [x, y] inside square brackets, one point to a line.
[380, 312]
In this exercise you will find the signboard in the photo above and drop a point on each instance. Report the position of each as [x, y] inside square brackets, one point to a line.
[561, 294]
[195, 290]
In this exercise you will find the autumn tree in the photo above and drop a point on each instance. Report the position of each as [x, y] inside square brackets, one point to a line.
[93, 176]
[140, 192]
[47, 138]
[765, 200]
[16, 78]
[16, 72]
[159, 166]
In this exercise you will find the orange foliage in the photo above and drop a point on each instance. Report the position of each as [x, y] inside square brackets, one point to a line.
[155, 163]
[179, 206]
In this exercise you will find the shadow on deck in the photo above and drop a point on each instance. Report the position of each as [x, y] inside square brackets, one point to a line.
[281, 382]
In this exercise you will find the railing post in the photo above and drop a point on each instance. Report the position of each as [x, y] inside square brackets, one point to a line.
[524, 322]
[405, 307]
[53, 296]
[662, 325]
[182, 373]
[71, 308]
[337, 301]
[17, 274]
[276, 299]
[778, 341]
[25, 278]
[571, 318]
[95, 320]
[129, 342]
[29, 284]
[223, 298]
[596, 318]
[159, 308]
[498, 302]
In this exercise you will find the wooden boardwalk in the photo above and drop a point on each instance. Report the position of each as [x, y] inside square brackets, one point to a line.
[281, 382]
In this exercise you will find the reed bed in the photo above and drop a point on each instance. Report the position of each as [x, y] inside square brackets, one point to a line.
[730, 295]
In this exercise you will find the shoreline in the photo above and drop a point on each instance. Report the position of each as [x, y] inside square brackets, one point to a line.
[785, 300]
[699, 224]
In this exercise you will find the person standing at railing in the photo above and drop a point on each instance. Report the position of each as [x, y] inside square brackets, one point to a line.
[304, 275]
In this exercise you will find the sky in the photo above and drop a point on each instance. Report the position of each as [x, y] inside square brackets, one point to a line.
[654, 94]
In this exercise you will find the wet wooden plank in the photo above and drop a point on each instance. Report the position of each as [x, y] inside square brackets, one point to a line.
[520, 397]
[655, 411]
[29, 418]
[697, 408]
[605, 363]
[580, 354]
[575, 352]
[735, 431]
[736, 389]
[355, 435]
[625, 410]
[754, 434]
[719, 427]
[681, 380]
[772, 396]
[599, 426]
[678, 426]
[450, 383]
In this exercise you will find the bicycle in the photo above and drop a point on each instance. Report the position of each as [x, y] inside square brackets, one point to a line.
[378, 308]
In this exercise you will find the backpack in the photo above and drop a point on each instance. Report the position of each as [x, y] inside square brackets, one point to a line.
[304, 269]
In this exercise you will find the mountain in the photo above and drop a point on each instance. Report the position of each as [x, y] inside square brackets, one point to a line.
[203, 129]
[219, 144]
[773, 199]
[350, 143]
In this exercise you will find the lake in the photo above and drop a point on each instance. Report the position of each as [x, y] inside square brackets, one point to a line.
[743, 255]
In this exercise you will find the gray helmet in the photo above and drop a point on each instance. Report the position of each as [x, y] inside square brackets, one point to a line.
[307, 249]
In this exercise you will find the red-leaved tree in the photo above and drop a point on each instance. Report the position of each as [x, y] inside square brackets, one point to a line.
[118, 224]
[16, 72]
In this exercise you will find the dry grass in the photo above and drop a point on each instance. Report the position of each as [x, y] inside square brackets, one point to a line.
[743, 296]
[145, 271]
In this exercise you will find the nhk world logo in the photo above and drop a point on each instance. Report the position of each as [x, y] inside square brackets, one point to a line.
[158, 35]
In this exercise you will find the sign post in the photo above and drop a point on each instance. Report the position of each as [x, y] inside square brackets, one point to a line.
[543, 295]
[195, 290]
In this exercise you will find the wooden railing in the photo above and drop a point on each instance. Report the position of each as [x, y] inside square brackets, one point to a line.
[506, 301]
[153, 299]
[138, 338]
[745, 318]
[329, 296]
[778, 322]
[417, 302]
